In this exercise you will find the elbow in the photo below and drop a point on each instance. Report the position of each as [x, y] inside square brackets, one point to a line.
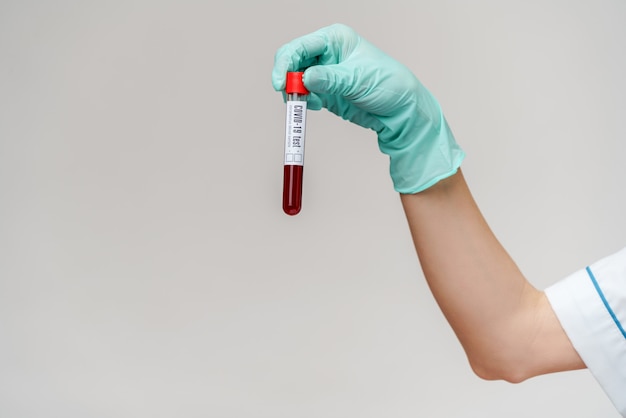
[494, 368]
[505, 356]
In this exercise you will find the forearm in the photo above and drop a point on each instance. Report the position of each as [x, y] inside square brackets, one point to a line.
[505, 325]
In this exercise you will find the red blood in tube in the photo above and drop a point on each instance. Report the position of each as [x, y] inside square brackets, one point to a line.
[292, 189]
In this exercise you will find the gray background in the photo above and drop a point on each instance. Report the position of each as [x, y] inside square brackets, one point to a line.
[147, 269]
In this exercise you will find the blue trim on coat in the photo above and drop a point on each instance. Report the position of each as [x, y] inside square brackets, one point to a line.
[606, 303]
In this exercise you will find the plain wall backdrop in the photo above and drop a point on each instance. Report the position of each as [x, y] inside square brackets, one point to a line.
[147, 269]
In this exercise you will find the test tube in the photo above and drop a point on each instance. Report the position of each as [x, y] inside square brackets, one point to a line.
[297, 96]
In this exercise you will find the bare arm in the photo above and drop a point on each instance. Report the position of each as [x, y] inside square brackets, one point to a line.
[506, 326]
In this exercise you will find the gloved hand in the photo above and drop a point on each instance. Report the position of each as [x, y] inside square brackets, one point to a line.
[357, 81]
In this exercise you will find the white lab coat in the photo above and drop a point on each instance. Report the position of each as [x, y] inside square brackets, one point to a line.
[591, 306]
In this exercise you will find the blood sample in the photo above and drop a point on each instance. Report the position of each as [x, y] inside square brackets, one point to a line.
[295, 127]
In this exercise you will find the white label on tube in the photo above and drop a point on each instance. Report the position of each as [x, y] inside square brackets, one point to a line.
[294, 133]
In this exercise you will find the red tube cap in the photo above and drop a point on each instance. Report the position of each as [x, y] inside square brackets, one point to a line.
[295, 84]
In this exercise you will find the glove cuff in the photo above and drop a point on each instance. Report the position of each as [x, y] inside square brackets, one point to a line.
[425, 158]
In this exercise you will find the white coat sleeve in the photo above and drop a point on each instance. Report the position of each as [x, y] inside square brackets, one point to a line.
[591, 306]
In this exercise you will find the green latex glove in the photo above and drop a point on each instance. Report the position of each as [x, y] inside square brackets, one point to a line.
[357, 81]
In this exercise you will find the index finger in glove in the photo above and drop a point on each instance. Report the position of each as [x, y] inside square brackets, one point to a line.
[296, 55]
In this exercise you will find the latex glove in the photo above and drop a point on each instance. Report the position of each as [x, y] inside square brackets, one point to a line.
[357, 81]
